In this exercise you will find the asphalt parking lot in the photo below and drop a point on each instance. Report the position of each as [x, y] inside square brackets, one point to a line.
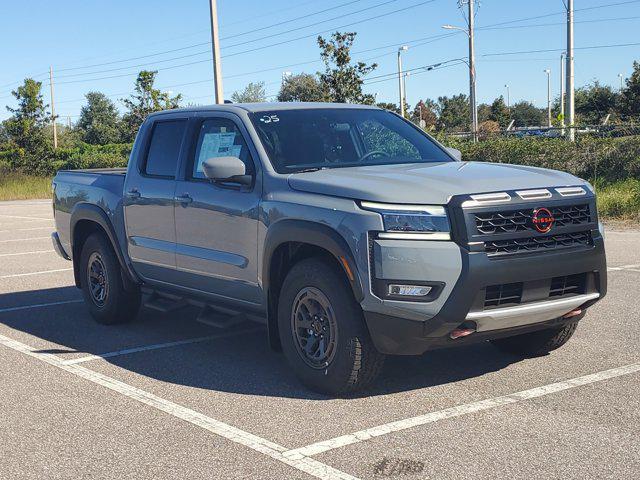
[169, 397]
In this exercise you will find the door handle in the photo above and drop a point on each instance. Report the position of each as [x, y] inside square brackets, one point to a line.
[184, 199]
[133, 193]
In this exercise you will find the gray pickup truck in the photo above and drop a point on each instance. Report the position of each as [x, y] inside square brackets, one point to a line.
[348, 231]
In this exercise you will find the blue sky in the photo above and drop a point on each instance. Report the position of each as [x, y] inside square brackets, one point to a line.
[73, 35]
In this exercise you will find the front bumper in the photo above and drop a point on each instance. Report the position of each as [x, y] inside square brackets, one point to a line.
[400, 334]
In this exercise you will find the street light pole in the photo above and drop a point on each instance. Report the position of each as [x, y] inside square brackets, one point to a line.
[562, 55]
[508, 97]
[215, 48]
[621, 82]
[548, 72]
[53, 110]
[570, 73]
[403, 48]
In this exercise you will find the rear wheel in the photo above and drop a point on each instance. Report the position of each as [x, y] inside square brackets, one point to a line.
[322, 330]
[102, 286]
[539, 343]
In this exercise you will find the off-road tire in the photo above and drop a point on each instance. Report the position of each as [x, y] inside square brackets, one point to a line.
[119, 305]
[538, 343]
[356, 362]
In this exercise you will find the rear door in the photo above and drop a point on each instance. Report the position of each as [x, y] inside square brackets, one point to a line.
[149, 200]
[217, 225]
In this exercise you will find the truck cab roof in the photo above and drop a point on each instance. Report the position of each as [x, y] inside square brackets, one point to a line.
[262, 107]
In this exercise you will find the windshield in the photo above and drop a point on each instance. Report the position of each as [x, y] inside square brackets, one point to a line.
[311, 139]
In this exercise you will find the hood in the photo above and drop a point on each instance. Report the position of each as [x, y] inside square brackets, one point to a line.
[426, 183]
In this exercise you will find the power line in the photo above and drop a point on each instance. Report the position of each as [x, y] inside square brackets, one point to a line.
[250, 50]
[292, 20]
[311, 24]
[82, 67]
[522, 52]
[423, 40]
[599, 20]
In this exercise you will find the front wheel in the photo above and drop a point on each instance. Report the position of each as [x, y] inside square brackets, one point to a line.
[538, 343]
[322, 330]
[102, 285]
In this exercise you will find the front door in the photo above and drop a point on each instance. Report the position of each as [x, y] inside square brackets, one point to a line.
[149, 202]
[217, 225]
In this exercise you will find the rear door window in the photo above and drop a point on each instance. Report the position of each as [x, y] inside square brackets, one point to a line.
[164, 148]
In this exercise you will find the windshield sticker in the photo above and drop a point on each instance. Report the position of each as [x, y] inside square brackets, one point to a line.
[269, 119]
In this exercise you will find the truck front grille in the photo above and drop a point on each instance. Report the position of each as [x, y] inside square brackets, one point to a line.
[507, 293]
[543, 243]
[567, 285]
[511, 221]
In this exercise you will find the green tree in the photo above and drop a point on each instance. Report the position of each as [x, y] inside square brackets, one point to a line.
[630, 101]
[27, 125]
[526, 114]
[26, 128]
[425, 110]
[342, 80]
[392, 107]
[453, 113]
[303, 87]
[500, 113]
[146, 100]
[484, 112]
[252, 93]
[594, 102]
[99, 121]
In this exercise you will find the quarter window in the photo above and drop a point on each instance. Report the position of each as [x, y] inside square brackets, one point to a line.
[164, 148]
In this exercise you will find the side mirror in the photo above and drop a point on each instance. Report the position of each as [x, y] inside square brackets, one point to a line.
[226, 169]
[455, 153]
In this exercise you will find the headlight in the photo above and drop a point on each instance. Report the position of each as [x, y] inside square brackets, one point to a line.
[412, 222]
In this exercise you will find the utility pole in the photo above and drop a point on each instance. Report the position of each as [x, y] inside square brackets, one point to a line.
[471, 64]
[472, 73]
[570, 73]
[548, 72]
[53, 110]
[215, 48]
[562, 80]
[403, 48]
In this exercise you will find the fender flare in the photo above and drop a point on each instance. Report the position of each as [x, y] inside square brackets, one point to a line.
[315, 234]
[95, 214]
[311, 233]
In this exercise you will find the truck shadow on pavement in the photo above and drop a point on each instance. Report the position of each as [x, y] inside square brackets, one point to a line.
[239, 362]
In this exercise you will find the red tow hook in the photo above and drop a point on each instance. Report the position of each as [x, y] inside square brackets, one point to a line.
[461, 332]
[573, 313]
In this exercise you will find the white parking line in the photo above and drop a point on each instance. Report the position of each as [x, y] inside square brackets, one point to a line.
[14, 275]
[24, 253]
[51, 227]
[158, 346]
[24, 239]
[24, 217]
[38, 305]
[229, 432]
[624, 267]
[457, 411]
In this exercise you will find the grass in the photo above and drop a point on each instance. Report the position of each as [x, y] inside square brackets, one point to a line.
[620, 200]
[616, 201]
[17, 186]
